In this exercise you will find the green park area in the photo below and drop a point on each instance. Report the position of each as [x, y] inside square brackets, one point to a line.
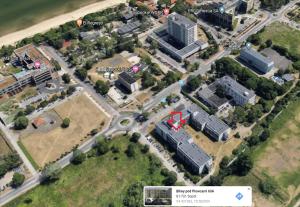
[276, 160]
[282, 35]
[101, 180]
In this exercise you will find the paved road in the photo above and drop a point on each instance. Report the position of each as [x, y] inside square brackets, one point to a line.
[14, 141]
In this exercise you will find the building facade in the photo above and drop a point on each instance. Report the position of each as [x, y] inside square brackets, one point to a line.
[256, 60]
[239, 93]
[128, 82]
[182, 29]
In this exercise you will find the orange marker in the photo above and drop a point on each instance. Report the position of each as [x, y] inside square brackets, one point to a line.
[79, 22]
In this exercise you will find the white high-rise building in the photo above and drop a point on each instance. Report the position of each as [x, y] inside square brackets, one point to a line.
[182, 29]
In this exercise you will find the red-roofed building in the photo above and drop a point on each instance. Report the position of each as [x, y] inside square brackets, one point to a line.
[38, 122]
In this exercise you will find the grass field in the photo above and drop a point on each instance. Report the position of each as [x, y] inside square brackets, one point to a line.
[278, 157]
[48, 142]
[282, 35]
[4, 148]
[98, 181]
[21, 14]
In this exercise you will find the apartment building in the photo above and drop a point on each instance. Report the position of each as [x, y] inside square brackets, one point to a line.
[256, 60]
[240, 94]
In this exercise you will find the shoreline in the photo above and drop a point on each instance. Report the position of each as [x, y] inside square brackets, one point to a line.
[44, 26]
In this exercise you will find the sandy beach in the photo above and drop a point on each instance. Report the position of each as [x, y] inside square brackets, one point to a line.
[44, 26]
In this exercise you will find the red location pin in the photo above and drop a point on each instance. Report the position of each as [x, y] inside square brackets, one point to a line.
[166, 11]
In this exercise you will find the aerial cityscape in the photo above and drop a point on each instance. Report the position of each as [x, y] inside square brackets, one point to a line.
[137, 102]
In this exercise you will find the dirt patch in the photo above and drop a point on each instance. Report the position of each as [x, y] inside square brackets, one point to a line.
[283, 153]
[144, 97]
[49, 142]
[116, 64]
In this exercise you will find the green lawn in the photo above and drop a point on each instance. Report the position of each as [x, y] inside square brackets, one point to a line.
[19, 14]
[283, 35]
[98, 181]
[284, 144]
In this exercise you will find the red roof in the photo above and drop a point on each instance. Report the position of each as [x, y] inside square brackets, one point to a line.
[38, 122]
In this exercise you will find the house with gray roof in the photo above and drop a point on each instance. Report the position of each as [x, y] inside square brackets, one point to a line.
[240, 94]
[216, 128]
[129, 27]
[256, 60]
[208, 97]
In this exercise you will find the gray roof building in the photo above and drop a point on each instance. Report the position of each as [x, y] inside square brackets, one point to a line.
[240, 94]
[216, 128]
[208, 96]
[288, 77]
[256, 60]
[91, 35]
[130, 27]
[181, 141]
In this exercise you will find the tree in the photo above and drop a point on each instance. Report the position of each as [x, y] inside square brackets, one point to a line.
[193, 82]
[88, 65]
[56, 65]
[269, 43]
[155, 69]
[131, 152]
[71, 90]
[255, 113]
[78, 157]
[180, 7]
[171, 179]
[21, 123]
[134, 195]
[102, 87]
[81, 74]
[6, 51]
[267, 186]
[147, 80]
[145, 149]
[253, 140]
[243, 164]
[29, 109]
[66, 78]
[102, 147]
[50, 173]
[135, 137]
[224, 163]
[220, 92]
[17, 180]
[264, 135]
[171, 77]
[66, 123]
[214, 181]
[296, 65]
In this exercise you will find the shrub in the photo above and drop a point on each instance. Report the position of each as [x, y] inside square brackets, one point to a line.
[17, 180]
[66, 123]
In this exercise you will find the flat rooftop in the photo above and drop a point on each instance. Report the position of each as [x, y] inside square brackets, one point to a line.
[254, 54]
[181, 20]
[128, 78]
[234, 85]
